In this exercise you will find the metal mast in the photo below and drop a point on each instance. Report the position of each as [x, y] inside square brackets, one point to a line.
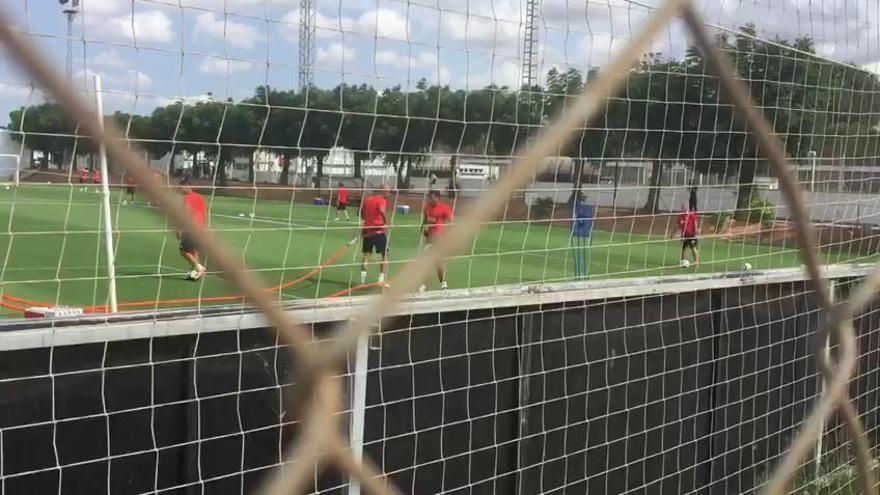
[70, 11]
[530, 45]
[307, 12]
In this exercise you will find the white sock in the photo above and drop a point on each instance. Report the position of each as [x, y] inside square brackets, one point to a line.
[363, 277]
[381, 277]
[443, 285]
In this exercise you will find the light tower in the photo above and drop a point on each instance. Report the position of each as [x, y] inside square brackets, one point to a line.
[71, 8]
[530, 45]
[307, 12]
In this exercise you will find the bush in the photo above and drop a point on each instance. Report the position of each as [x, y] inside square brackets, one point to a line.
[542, 208]
[761, 210]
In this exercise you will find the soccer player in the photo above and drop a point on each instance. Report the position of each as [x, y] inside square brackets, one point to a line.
[195, 204]
[437, 214]
[341, 202]
[96, 179]
[83, 178]
[687, 226]
[374, 221]
[130, 188]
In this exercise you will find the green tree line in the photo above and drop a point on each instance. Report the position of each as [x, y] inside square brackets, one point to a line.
[666, 111]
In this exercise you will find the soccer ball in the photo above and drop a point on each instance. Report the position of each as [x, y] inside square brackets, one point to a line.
[685, 263]
[747, 266]
[252, 214]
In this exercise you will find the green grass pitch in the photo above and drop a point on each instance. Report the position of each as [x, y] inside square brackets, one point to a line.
[51, 249]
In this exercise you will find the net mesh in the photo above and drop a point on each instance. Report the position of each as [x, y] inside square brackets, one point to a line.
[676, 138]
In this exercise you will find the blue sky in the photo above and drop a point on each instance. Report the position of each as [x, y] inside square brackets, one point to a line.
[150, 52]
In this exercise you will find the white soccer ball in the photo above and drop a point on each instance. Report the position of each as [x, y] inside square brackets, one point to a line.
[685, 263]
[252, 214]
[747, 266]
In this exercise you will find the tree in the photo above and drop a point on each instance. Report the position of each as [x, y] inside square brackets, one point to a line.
[42, 128]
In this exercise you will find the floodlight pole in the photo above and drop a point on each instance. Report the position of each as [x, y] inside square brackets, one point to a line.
[105, 202]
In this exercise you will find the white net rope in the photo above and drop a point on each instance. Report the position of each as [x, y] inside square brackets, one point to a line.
[390, 100]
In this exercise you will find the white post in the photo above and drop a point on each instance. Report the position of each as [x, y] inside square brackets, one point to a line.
[832, 289]
[812, 155]
[105, 202]
[358, 406]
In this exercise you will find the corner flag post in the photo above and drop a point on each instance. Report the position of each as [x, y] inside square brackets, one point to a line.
[105, 205]
[581, 231]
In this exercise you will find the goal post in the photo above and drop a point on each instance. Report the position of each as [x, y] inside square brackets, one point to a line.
[106, 212]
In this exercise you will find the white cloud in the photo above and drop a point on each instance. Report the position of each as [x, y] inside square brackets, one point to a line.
[129, 80]
[186, 99]
[110, 58]
[385, 23]
[148, 26]
[381, 22]
[232, 32]
[213, 65]
[396, 60]
[22, 93]
[326, 27]
[482, 30]
[504, 73]
[334, 54]
[424, 64]
[598, 48]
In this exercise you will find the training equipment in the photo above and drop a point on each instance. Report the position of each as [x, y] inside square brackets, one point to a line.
[572, 357]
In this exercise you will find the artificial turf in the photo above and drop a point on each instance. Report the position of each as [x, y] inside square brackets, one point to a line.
[52, 251]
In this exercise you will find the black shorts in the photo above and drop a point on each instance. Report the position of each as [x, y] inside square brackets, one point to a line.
[689, 242]
[186, 244]
[130, 190]
[340, 206]
[377, 243]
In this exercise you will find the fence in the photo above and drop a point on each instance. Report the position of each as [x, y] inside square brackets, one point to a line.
[694, 388]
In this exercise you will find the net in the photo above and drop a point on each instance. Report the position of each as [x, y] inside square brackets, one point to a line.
[685, 391]
[545, 406]
[420, 99]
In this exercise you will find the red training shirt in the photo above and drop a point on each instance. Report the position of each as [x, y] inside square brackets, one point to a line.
[343, 194]
[436, 217]
[687, 221]
[130, 181]
[83, 174]
[196, 206]
[373, 216]
[97, 177]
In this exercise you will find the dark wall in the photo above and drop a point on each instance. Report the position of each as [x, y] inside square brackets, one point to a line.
[687, 393]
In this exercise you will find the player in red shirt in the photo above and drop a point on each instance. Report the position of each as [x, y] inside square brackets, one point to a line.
[130, 188]
[436, 215]
[374, 230]
[83, 177]
[341, 202]
[195, 204]
[96, 177]
[688, 222]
